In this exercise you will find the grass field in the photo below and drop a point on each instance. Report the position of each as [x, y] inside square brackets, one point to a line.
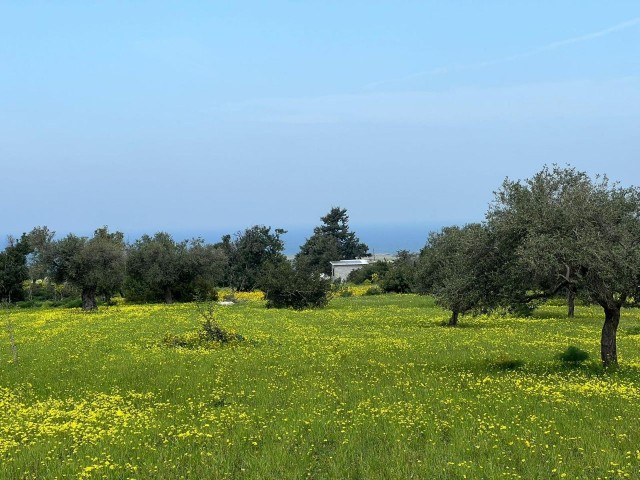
[368, 388]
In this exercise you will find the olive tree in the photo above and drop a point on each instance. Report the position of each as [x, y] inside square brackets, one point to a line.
[156, 263]
[95, 265]
[564, 231]
[456, 266]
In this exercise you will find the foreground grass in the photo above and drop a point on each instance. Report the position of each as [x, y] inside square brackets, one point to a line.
[370, 387]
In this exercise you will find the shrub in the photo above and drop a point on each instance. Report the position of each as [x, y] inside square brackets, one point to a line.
[400, 277]
[286, 287]
[230, 297]
[573, 355]
[211, 333]
[72, 303]
[371, 272]
[374, 290]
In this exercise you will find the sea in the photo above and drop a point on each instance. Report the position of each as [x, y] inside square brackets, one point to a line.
[385, 239]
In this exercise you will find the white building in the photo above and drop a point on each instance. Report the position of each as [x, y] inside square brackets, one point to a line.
[341, 269]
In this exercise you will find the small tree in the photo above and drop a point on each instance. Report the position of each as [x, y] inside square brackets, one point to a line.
[250, 252]
[40, 241]
[456, 268]
[287, 287]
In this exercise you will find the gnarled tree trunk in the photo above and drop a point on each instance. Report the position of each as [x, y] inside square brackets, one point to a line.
[608, 349]
[453, 321]
[571, 302]
[89, 299]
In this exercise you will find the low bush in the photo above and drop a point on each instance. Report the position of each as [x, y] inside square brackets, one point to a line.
[573, 355]
[287, 287]
[371, 273]
[210, 335]
[374, 290]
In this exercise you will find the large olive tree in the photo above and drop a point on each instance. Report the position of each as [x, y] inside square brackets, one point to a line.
[564, 230]
[157, 263]
[95, 265]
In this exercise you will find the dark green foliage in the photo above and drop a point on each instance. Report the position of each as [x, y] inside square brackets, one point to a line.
[563, 230]
[330, 241]
[156, 265]
[317, 253]
[206, 268]
[250, 252]
[95, 265]
[287, 287]
[573, 355]
[456, 267]
[401, 274]
[41, 250]
[161, 269]
[369, 272]
[13, 269]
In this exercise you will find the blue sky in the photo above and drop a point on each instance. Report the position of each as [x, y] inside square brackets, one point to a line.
[204, 116]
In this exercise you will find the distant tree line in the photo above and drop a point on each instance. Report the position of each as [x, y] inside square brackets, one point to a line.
[159, 268]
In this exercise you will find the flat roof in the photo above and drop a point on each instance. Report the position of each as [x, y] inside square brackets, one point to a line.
[350, 262]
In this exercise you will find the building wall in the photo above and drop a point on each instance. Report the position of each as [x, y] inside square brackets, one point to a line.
[342, 271]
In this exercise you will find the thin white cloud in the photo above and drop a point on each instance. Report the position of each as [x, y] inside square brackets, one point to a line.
[511, 58]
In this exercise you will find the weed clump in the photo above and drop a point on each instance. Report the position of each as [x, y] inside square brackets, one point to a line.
[573, 355]
[210, 335]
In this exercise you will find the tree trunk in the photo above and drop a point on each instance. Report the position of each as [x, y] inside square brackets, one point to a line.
[453, 321]
[168, 296]
[608, 348]
[89, 299]
[571, 302]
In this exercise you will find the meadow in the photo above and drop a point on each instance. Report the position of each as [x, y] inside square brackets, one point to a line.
[371, 387]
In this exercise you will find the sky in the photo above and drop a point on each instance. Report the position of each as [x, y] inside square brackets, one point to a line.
[215, 116]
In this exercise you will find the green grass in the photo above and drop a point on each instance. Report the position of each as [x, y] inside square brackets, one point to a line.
[370, 387]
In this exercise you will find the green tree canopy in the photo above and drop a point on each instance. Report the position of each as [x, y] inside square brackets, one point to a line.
[330, 241]
[13, 268]
[563, 229]
[250, 252]
[95, 265]
[158, 264]
[456, 266]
